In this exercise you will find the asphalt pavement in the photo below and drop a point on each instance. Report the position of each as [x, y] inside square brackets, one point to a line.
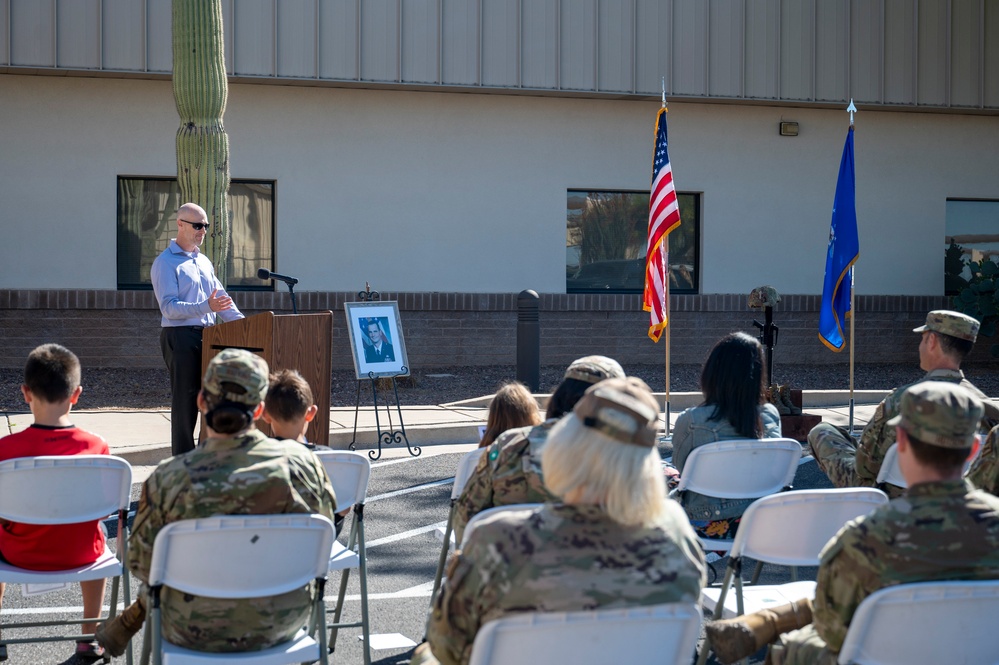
[408, 498]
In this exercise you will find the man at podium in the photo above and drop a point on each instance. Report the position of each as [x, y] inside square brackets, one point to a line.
[190, 297]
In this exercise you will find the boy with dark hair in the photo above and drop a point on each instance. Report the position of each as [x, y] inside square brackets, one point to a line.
[288, 407]
[51, 387]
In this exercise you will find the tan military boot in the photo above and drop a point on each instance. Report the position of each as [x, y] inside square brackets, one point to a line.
[785, 398]
[775, 395]
[734, 639]
[115, 634]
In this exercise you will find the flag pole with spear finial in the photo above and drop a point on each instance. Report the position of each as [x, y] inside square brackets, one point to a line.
[851, 109]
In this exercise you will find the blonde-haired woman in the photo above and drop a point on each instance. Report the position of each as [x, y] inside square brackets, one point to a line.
[613, 540]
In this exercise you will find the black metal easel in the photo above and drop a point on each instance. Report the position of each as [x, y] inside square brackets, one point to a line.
[390, 435]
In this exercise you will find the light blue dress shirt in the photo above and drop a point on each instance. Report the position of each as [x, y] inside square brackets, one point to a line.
[183, 282]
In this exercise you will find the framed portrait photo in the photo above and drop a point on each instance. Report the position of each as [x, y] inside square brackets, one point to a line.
[376, 341]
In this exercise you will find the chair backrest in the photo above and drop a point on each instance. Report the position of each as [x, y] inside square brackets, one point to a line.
[465, 468]
[349, 473]
[654, 634]
[242, 556]
[890, 471]
[63, 489]
[925, 622]
[741, 468]
[791, 528]
[477, 518]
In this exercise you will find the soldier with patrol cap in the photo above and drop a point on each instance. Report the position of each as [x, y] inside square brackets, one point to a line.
[509, 470]
[237, 470]
[612, 540]
[947, 337]
[942, 529]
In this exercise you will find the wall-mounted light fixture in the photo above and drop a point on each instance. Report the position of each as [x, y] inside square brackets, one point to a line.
[788, 129]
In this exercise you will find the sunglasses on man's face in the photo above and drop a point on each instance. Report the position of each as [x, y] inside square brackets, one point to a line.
[198, 226]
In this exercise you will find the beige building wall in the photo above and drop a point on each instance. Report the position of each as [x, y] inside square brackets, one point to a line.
[428, 191]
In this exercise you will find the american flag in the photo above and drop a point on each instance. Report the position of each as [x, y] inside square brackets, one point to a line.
[664, 216]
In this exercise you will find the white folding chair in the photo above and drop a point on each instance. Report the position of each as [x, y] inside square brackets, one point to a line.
[480, 517]
[739, 469]
[925, 622]
[787, 529]
[653, 634]
[465, 469]
[242, 556]
[349, 473]
[890, 472]
[67, 490]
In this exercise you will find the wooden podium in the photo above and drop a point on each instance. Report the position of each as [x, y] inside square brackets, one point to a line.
[289, 341]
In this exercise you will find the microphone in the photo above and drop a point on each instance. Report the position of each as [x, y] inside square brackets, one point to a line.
[264, 273]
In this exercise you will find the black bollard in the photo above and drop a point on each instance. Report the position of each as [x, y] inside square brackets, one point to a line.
[528, 340]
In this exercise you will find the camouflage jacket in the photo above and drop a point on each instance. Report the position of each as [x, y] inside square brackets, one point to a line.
[938, 531]
[984, 472]
[248, 475]
[876, 438]
[559, 558]
[508, 472]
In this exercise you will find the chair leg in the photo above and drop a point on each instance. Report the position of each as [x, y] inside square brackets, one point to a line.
[756, 572]
[317, 625]
[363, 578]
[702, 656]
[147, 645]
[344, 576]
[339, 608]
[445, 548]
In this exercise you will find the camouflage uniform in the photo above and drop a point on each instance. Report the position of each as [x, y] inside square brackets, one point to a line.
[984, 473]
[559, 558]
[508, 472]
[248, 475]
[938, 531]
[852, 464]
[943, 530]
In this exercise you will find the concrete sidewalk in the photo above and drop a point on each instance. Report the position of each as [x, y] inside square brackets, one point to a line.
[143, 437]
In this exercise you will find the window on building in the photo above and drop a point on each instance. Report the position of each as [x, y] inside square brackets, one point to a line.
[605, 242]
[147, 222]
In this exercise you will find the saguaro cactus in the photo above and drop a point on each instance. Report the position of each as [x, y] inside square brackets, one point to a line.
[200, 91]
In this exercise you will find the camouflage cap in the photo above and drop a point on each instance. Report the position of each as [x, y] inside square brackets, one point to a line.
[238, 376]
[940, 414]
[592, 369]
[764, 296]
[950, 323]
[621, 408]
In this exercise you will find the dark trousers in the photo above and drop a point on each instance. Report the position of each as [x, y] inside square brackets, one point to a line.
[181, 348]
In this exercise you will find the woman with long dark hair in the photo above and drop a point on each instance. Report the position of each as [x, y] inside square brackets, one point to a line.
[733, 382]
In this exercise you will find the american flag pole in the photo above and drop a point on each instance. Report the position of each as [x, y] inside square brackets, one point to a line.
[664, 216]
[665, 251]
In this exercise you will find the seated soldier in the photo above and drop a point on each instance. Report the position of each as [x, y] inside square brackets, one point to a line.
[947, 337]
[613, 540]
[509, 470]
[942, 529]
[235, 471]
[51, 387]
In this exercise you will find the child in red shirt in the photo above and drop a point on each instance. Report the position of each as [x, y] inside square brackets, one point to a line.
[51, 388]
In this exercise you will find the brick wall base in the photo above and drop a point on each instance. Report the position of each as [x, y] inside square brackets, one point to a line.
[121, 328]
